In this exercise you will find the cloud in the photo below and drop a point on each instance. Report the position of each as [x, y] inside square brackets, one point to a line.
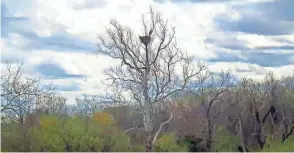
[281, 10]
[90, 4]
[23, 27]
[267, 18]
[67, 88]
[59, 41]
[257, 25]
[254, 71]
[262, 50]
[259, 58]
[54, 71]
[9, 22]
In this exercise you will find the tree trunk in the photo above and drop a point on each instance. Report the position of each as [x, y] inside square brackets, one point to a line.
[209, 129]
[242, 138]
[259, 134]
[148, 125]
[149, 145]
[208, 136]
[148, 111]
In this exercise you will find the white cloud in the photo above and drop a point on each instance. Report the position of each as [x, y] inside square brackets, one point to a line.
[193, 21]
[254, 71]
[89, 65]
[255, 40]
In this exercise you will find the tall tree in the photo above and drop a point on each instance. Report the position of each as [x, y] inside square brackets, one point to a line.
[152, 67]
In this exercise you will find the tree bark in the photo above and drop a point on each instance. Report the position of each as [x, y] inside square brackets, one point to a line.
[148, 113]
[149, 146]
[209, 135]
[241, 134]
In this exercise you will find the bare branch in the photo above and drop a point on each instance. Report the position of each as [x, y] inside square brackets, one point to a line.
[160, 127]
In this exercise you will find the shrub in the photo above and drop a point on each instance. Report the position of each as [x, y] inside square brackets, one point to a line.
[16, 137]
[57, 134]
[279, 146]
[225, 141]
[168, 143]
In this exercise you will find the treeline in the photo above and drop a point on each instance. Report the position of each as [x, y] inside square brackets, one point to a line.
[251, 115]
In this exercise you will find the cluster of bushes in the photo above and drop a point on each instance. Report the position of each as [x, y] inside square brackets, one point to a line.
[53, 133]
[227, 142]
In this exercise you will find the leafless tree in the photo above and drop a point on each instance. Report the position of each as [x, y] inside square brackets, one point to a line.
[19, 93]
[265, 108]
[152, 67]
[281, 96]
[256, 102]
[210, 89]
[51, 103]
[71, 110]
[89, 104]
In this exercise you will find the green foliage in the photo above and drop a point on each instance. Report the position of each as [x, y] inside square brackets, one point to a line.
[56, 134]
[76, 134]
[168, 143]
[279, 146]
[16, 137]
[225, 141]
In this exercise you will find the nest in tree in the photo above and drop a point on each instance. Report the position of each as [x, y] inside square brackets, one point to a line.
[145, 39]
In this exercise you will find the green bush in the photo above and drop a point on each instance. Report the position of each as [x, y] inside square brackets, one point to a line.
[225, 141]
[76, 134]
[56, 134]
[279, 146]
[16, 137]
[168, 143]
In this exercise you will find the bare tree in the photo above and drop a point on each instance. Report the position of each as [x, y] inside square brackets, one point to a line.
[152, 67]
[265, 108]
[51, 103]
[281, 99]
[210, 90]
[19, 93]
[89, 104]
[256, 101]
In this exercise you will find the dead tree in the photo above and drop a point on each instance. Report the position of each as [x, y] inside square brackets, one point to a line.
[148, 74]
[210, 89]
[255, 103]
[87, 105]
[19, 93]
[51, 103]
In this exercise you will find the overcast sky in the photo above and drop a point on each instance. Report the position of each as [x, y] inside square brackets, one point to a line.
[56, 38]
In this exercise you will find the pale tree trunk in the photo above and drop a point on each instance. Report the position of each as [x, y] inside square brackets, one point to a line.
[148, 113]
[147, 118]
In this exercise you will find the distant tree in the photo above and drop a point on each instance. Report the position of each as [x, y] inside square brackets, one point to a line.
[210, 90]
[87, 105]
[51, 104]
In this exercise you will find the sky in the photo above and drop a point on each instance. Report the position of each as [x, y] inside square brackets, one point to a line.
[56, 39]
